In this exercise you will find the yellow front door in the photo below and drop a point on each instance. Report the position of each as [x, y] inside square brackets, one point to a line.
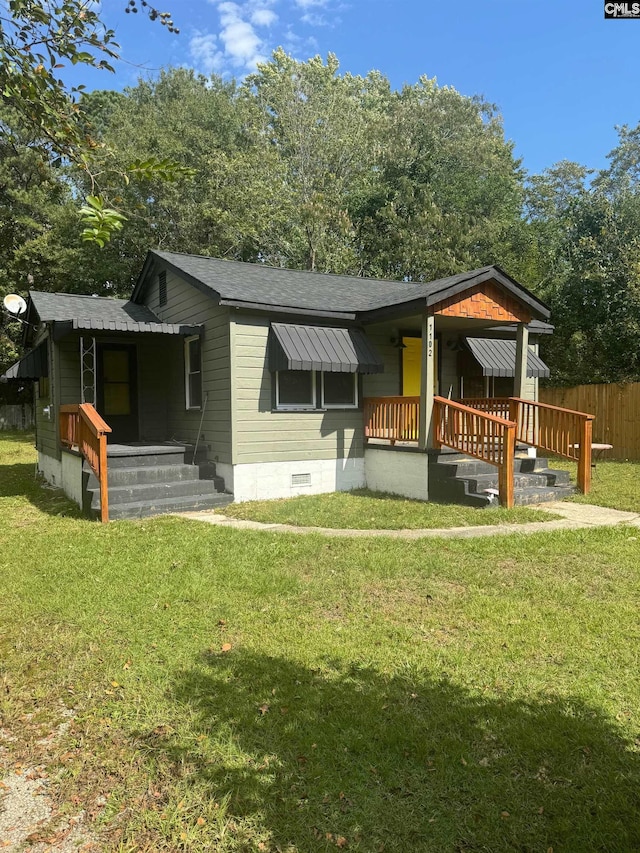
[411, 366]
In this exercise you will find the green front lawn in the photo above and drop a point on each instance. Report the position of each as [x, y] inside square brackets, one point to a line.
[363, 509]
[257, 691]
[613, 484]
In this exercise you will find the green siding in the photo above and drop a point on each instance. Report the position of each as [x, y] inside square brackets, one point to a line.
[46, 428]
[155, 353]
[386, 384]
[262, 435]
[69, 370]
[186, 304]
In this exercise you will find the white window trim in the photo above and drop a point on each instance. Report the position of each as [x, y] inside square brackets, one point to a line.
[297, 407]
[353, 405]
[188, 373]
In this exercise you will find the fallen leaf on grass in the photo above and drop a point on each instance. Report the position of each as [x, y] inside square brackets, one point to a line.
[201, 821]
[264, 709]
[226, 647]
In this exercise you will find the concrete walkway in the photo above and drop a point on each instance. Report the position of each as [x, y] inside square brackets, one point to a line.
[574, 517]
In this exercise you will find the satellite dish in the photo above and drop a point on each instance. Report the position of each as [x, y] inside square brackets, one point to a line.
[14, 304]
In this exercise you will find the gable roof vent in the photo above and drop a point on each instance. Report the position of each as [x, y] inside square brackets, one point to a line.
[162, 288]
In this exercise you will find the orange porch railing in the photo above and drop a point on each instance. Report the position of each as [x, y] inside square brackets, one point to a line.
[392, 418]
[479, 434]
[560, 431]
[82, 428]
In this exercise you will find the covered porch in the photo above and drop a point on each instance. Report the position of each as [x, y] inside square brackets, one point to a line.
[468, 382]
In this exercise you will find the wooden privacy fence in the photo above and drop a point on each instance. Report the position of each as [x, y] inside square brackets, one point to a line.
[16, 416]
[81, 427]
[479, 434]
[616, 408]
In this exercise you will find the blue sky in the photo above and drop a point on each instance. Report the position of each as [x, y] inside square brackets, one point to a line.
[561, 75]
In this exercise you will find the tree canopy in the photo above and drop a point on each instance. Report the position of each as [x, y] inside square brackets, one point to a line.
[301, 165]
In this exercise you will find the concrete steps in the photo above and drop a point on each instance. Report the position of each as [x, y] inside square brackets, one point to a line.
[455, 478]
[145, 480]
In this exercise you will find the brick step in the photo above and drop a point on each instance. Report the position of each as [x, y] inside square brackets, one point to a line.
[154, 491]
[461, 479]
[163, 506]
[137, 457]
[526, 497]
[150, 474]
[468, 467]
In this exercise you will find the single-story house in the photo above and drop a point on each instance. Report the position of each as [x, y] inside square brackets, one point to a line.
[288, 382]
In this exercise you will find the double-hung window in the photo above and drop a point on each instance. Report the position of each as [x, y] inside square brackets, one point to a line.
[318, 368]
[295, 389]
[310, 389]
[339, 390]
[193, 372]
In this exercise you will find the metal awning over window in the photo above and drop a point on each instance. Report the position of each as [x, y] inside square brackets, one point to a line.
[33, 365]
[498, 358]
[293, 347]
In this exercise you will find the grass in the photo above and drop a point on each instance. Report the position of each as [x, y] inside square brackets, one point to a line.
[363, 509]
[255, 691]
[613, 484]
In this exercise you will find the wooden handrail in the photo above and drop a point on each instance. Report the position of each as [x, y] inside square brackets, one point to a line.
[478, 434]
[82, 427]
[564, 432]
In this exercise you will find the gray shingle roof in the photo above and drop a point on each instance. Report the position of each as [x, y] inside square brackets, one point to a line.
[100, 313]
[258, 285]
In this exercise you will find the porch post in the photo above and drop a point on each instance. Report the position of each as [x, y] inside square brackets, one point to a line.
[522, 350]
[427, 382]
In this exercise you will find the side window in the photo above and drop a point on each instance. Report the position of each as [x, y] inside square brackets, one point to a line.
[295, 389]
[339, 390]
[193, 372]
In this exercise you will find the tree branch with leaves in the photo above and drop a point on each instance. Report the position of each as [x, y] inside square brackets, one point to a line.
[38, 39]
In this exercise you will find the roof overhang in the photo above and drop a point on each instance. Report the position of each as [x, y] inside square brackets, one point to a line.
[62, 328]
[295, 347]
[497, 357]
[399, 307]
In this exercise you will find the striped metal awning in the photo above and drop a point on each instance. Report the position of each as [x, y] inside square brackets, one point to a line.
[33, 365]
[497, 357]
[293, 347]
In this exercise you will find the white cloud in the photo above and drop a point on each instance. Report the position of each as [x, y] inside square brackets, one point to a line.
[263, 17]
[307, 4]
[242, 44]
[248, 33]
[204, 50]
[314, 20]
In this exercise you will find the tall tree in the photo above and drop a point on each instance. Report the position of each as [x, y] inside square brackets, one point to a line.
[323, 125]
[447, 186]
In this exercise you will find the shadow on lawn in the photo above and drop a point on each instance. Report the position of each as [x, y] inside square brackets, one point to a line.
[21, 480]
[404, 763]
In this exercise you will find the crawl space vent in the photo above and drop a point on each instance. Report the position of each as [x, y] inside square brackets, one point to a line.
[301, 479]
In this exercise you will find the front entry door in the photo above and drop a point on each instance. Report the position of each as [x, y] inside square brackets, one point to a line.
[412, 365]
[118, 390]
